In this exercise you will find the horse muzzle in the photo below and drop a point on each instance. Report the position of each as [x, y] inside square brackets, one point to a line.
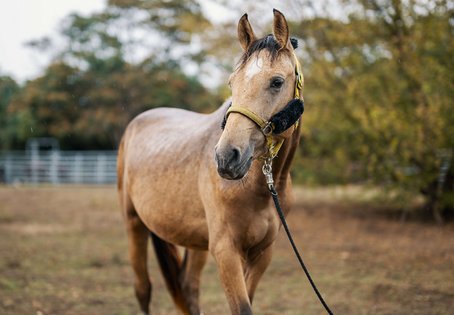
[231, 163]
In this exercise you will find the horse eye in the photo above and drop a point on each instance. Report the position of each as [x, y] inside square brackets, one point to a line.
[276, 83]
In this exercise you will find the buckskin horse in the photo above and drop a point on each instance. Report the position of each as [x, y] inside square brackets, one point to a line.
[188, 182]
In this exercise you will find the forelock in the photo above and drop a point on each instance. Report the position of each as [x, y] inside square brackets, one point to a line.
[268, 43]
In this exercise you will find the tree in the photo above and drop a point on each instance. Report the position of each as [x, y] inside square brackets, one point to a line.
[90, 92]
[8, 90]
[381, 89]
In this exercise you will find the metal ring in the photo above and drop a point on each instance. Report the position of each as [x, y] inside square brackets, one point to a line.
[266, 168]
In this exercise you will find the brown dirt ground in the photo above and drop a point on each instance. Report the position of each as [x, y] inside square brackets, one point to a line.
[63, 251]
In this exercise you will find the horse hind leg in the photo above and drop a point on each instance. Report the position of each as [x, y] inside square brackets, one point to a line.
[182, 276]
[193, 264]
[138, 241]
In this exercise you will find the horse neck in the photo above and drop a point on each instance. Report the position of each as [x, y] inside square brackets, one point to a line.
[282, 163]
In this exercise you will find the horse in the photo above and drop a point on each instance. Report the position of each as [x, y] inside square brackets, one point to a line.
[185, 181]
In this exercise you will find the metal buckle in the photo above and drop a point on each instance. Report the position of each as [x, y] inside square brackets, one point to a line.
[267, 129]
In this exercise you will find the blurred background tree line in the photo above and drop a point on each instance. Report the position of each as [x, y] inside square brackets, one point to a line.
[379, 84]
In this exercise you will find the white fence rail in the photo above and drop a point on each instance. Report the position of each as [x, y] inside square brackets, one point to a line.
[58, 167]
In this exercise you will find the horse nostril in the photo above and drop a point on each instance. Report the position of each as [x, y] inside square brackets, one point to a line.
[228, 159]
[231, 162]
[235, 154]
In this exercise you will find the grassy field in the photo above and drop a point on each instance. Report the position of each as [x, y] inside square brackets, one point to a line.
[63, 251]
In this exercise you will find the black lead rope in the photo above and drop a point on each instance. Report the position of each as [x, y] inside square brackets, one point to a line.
[289, 235]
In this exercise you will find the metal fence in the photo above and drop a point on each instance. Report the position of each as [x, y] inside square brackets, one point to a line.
[58, 167]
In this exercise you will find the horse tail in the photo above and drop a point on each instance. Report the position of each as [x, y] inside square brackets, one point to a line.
[171, 267]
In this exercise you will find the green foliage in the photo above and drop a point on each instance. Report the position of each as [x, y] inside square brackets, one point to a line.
[380, 90]
[90, 109]
[8, 89]
[177, 19]
[90, 92]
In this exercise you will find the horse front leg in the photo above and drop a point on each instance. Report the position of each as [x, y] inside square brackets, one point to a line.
[229, 260]
[256, 264]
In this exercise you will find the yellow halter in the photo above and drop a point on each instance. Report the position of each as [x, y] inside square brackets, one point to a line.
[273, 145]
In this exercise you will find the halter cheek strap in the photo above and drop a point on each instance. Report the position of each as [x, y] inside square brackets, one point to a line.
[299, 78]
[267, 127]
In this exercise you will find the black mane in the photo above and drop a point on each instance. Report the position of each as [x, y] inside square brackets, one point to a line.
[269, 43]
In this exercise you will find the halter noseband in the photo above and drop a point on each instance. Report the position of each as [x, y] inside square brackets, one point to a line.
[268, 127]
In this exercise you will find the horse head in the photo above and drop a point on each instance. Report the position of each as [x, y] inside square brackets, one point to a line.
[266, 79]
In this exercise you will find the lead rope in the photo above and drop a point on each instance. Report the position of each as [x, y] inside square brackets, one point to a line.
[268, 172]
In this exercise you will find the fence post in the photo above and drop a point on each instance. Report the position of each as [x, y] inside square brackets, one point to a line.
[100, 169]
[8, 169]
[77, 171]
[34, 163]
[54, 159]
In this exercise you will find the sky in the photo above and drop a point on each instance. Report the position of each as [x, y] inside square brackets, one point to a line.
[25, 20]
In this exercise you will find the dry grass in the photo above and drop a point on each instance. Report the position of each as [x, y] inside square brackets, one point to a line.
[63, 251]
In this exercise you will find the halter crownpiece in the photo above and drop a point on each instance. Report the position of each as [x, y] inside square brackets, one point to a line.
[279, 122]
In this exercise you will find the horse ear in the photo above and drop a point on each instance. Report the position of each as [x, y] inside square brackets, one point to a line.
[280, 29]
[245, 33]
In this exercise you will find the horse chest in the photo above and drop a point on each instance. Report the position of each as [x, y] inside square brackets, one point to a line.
[259, 230]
